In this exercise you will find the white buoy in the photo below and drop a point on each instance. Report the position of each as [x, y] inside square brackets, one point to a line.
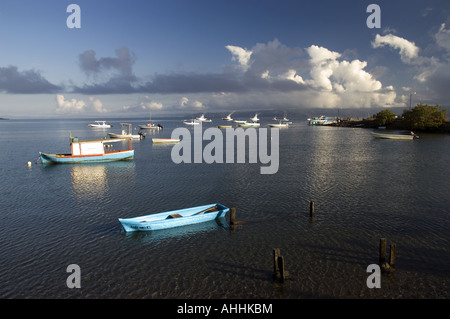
[29, 164]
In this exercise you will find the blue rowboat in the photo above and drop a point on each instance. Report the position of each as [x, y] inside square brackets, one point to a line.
[93, 151]
[174, 218]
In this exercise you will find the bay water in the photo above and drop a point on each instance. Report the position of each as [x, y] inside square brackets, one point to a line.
[364, 189]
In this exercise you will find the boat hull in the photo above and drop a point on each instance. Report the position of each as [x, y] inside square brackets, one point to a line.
[186, 216]
[165, 140]
[78, 159]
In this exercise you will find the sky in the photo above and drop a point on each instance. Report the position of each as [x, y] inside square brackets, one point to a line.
[116, 58]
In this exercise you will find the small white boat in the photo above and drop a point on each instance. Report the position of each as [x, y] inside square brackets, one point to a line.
[411, 136]
[228, 117]
[127, 133]
[224, 126]
[249, 124]
[202, 118]
[240, 121]
[100, 124]
[191, 122]
[279, 125]
[255, 118]
[150, 125]
[157, 140]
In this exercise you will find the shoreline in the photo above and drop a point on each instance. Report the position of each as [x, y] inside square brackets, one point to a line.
[396, 125]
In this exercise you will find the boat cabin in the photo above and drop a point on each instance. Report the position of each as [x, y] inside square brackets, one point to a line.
[90, 147]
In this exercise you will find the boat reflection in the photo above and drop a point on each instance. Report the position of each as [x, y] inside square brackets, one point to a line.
[157, 236]
[91, 180]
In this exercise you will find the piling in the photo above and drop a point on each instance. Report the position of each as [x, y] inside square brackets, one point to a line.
[279, 273]
[311, 209]
[232, 216]
[392, 255]
[280, 262]
[382, 258]
[276, 254]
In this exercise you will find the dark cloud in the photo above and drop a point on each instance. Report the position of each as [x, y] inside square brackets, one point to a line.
[193, 83]
[24, 82]
[115, 85]
[232, 80]
[123, 63]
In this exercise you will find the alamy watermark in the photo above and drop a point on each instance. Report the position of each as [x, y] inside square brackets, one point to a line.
[190, 149]
[74, 19]
[374, 19]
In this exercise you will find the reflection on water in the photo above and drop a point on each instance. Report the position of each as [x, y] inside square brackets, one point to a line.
[91, 181]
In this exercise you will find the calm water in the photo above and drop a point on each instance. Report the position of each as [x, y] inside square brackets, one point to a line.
[364, 189]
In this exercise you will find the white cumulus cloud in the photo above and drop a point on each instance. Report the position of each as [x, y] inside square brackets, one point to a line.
[69, 106]
[241, 55]
[73, 105]
[408, 50]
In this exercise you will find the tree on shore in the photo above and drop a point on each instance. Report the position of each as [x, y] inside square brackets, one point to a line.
[425, 116]
[384, 117]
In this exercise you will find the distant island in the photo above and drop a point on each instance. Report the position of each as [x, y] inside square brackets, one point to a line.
[1, 118]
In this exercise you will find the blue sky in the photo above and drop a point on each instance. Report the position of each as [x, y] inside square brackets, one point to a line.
[131, 58]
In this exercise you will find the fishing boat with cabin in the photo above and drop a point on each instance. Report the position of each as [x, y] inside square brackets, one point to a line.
[89, 151]
[174, 218]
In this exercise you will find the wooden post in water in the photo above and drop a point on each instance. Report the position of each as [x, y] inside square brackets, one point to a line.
[280, 262]
[232, 216]
[311, 209]
[392, 255]
[382, 250]
[276, 254]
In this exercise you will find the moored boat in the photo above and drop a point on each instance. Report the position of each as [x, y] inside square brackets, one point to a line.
[228, 117]
[249, 124]
[175, 218]
[157, 140]
[202, 118]
[150, 125]
[127, 132]
[191, 122]
[255, 118]
[280, 124]
[411, 136]
[100, 124]
[90, 151]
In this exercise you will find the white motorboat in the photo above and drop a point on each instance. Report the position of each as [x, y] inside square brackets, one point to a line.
[255, 118]
[127, 133]
[228, 117]
[202, 118]
[100, 124]
[279, 125]
[191, 122]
